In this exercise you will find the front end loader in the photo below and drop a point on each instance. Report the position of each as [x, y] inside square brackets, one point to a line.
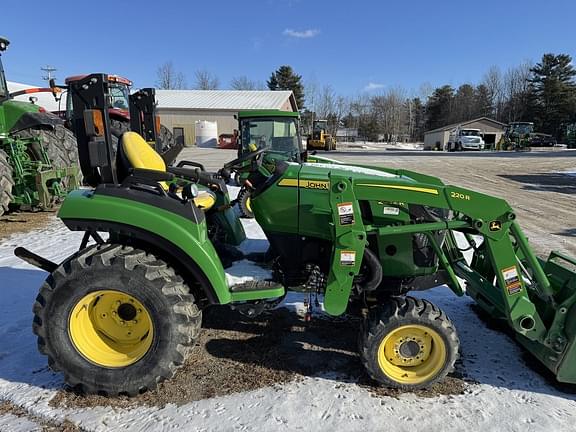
[121, 315]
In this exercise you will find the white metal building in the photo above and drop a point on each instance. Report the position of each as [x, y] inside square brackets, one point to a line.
[492, 131]
[179, 110]
[45, 100]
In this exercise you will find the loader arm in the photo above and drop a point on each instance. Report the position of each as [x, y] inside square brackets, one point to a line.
[505, 278]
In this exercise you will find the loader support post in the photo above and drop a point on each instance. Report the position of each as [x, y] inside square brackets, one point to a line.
[539, 275]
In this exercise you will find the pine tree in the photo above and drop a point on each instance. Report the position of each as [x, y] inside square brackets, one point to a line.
[439, 107]
[286, 79]
[554, 90]
[483, 102]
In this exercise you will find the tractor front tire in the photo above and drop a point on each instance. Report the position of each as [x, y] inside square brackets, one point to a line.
[245, 203]
[115, 320]
[408, 344]
[6, 183]
[60, 144]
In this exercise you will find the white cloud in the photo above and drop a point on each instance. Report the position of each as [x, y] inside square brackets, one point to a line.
[304, 34]
[373, 86]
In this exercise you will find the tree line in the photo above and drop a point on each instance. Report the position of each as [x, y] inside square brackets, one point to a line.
[544, 93]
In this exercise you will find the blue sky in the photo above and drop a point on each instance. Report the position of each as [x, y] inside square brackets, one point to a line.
[353, 46]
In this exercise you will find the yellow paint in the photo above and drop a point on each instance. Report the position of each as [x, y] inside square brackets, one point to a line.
[111, 328]
[205, 200]
[423, 366]
[307, 184]
[140, 154]
[408, 188]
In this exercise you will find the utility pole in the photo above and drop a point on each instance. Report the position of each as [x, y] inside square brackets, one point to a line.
[48, 69]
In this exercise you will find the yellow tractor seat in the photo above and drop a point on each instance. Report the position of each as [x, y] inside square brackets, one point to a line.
[139, 154]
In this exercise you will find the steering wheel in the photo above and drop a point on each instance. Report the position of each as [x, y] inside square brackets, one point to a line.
[252, 156]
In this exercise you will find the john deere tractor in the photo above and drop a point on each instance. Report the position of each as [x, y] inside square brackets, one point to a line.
[517, 136]
[278, 132]
[120, 315]
[38, 155]
[320, 139]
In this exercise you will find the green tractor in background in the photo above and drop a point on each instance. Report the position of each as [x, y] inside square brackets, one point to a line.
[122, 314]
[279, 134]
[517, 136]
[38, 155]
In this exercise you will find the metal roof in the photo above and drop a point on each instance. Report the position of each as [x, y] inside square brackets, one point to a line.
[45, 100]
[464, 123]
[232, 100]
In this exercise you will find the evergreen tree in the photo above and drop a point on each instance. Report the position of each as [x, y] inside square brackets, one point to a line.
[439, 107]
[286, 79]
[552, 84]
[483, 102]
[463, 107]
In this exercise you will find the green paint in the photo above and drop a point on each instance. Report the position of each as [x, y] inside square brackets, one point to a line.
[189, 237]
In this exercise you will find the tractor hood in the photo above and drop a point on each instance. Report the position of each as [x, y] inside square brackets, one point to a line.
[16, 116]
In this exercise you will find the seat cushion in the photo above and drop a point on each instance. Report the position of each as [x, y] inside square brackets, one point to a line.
[140, 154]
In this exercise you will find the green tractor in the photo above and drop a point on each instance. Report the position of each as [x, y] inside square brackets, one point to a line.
[278, 132]
[517, 136]
[38, 155]
[119, 316]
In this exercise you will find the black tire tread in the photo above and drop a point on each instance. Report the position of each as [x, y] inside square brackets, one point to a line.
[396, 311]
[59, 142]
[103, 258]
[6, 183]
[243, 196]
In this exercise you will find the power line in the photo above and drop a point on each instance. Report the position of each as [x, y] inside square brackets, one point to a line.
[48, 69]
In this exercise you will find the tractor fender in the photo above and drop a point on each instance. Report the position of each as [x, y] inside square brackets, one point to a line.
[181, 241]
[31, 119]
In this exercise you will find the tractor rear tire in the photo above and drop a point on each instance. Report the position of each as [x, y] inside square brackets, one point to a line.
[115, 320]
[60, 144]
[166, 138]
[244, 203]
[408, 344]
[118, 127]
[6, 183]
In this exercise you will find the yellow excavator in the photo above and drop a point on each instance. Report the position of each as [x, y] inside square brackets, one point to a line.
[320, 139]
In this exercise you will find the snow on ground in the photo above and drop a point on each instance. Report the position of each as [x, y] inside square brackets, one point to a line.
[370, 145]
[571, 173]
[509, 395]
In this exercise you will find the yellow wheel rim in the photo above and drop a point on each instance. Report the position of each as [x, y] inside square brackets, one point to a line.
[412, 354]
[111, 328]
[249, 204]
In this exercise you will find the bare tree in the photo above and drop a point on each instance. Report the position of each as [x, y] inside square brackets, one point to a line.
[516, 88]
[245, 83]
[495, 84]
[205, 80]
[168, 78]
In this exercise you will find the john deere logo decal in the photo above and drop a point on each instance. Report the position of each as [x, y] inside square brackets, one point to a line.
[495, 225]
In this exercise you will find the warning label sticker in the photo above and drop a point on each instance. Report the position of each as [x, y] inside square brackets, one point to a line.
[393, 211]
[346, 213]
[347, 258]
[511, 280]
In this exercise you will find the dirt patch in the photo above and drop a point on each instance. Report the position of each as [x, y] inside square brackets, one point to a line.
[7, 407]
[236, 354]
[18, 222]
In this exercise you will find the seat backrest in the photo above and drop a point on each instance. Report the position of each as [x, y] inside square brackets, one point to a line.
[140, 154]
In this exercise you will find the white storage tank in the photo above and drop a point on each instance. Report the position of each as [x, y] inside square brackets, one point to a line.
[206, 134]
